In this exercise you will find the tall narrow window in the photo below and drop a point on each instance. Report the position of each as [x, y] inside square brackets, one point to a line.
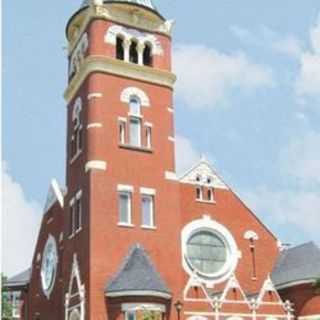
[148, 210]
[78, 215]
[210, 195]
[133, 52]
[71, 219]
[148, 137]
[147, 55]
[122, 132]
[119, 49]
[76, 138]
[125, 208]
[198, 193]
[135, 132]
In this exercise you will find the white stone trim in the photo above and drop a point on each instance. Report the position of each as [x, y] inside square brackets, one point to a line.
[129, 34]
[171, 110]
[139, 293]
[95, 165]
[244, 315]
[122, 119]
[94, 125]
[125, 188]
[148, 124]
[148, 191]
[207, 224]
[148, 227]
[94, 95]
[125, 225]
[171, 139]
[143, 306]
[170, 175]
[313, 317]
[130, 92]
[250, 235]
[79, 194]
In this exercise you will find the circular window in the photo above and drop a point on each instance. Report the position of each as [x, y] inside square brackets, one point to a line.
[209, 250]
[206, 252]
[49, 266]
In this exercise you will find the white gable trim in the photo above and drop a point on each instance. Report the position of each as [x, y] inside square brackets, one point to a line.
[204, 171]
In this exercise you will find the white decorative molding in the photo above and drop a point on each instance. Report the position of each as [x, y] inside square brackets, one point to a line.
[54, 194]
[127, 34]
[130, 92]
[77, 107]
[170, 175]
[112, 66]
[172, 139]
[94, 125]
[125, 188]
[148, 191]
[80, 293]
[143, 306]
[78, 54]
[122, 119]
[148, 124]
[94, 95]
[95, 165]
[138, 293]
[313, 317]
[200, 173]
[250, 235]
[170, 110]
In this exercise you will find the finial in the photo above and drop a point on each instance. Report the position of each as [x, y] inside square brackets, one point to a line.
[203, 158]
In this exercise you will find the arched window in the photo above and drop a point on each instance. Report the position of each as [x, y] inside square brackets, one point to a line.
[199, 193]
[210, 195]
[76, 138]
[147, 55]
[135, 121]
[133, 53]
[119, 49]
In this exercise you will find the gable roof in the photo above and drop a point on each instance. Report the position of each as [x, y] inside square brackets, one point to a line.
[55, 193]
[296, 265]
[19, 280]
[203, 170]
[137, 277]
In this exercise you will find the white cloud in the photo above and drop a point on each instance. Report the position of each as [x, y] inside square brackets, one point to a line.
[308, 80]
[300, 209]
[207, 77]
[298, 204]
[21, 220]
[267, 38]
[301, 160]
[186, 154]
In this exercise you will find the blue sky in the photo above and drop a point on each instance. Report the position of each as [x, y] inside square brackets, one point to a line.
[247, 97]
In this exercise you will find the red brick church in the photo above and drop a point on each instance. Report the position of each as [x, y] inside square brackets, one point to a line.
[127, 239]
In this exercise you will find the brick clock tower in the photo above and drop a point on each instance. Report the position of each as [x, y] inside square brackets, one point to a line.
[126, 239]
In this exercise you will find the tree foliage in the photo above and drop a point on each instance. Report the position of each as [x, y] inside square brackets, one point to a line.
[6, 308]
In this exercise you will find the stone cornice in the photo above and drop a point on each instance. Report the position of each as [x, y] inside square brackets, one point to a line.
[112, 66]
[124, 15]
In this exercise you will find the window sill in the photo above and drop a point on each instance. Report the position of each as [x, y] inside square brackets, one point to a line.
[73, 235]
[76, 156]
[148, 227]
[135, 148]
[206, 201]
[125, 225]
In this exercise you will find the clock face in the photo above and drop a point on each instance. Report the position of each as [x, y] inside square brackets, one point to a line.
[49, 266]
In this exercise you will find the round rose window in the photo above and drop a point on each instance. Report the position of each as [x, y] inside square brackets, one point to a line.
[206, 252]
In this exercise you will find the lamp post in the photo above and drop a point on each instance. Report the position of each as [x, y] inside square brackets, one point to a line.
[178, 305]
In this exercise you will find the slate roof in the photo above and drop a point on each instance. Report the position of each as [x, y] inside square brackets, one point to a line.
[19, 280]
[301, 263]
[137, 276]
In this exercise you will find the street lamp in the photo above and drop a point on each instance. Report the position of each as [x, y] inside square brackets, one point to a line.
[178, 305]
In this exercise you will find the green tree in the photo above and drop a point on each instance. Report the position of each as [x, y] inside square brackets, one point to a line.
[5, 304]
[316, 286]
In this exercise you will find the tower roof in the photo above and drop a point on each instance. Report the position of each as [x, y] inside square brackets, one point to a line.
[137, 276]
[144, 3]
